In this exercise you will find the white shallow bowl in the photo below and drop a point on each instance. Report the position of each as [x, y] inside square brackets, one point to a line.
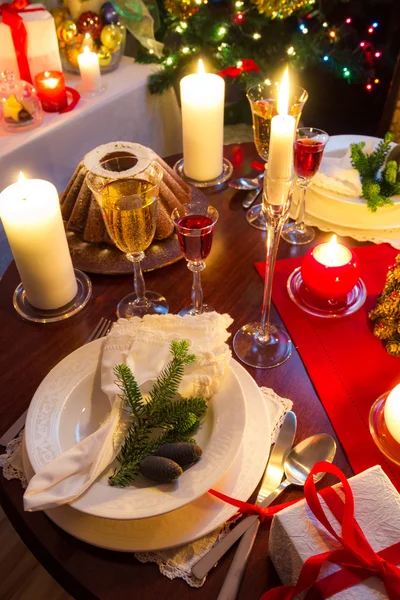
[196, 519]
[69, 405]
[342, 210]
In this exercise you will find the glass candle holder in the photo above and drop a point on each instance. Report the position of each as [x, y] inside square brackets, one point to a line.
[384, 424]
[20, 107]
[50, 86]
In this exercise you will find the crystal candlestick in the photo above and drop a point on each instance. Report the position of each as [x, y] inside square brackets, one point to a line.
[262, 344]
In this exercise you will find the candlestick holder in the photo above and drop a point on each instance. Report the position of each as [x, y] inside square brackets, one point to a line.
[380, 432]
[262, 344]
[227, 170]
[37, 315]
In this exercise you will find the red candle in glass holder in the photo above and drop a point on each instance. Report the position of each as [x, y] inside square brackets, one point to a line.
[50, 86]
[330, 270]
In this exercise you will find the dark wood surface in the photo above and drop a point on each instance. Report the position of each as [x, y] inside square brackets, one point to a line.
[29, 351]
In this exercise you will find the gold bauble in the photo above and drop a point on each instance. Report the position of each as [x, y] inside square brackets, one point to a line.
[72, 54]
[279, 9]
[67, 31]
[59, 14]
[111, 37]
[104, 55]
[182, 9]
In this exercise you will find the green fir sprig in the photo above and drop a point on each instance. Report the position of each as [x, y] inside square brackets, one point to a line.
[165, 418]
[377, 186]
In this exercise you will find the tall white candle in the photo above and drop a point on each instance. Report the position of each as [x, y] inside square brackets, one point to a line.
[280, 157]
[392, 412]
[202, 99]
[32, 220]
[90, 70]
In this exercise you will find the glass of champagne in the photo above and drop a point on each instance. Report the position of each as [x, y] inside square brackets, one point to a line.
[194, 224]
[263, 99]
[126, 188]
[308, 150]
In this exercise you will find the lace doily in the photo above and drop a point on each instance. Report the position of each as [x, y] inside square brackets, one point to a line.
[176, 562]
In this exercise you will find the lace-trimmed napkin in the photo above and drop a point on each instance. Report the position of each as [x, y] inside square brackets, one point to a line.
[144, 345]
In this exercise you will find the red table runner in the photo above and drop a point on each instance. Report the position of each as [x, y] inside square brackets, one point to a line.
[348, 366]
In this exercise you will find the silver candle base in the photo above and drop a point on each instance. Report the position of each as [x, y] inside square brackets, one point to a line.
[227, 171]
[36, 315]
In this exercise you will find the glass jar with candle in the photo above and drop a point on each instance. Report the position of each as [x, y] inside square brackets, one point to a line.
[384, 424]
[20, 107]
[328, 283]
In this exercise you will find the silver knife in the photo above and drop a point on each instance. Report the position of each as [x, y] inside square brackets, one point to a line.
[271, 480]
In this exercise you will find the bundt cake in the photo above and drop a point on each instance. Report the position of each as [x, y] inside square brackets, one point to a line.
[80, 210]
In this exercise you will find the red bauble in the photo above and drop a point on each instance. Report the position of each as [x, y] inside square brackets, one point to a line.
[90, 22]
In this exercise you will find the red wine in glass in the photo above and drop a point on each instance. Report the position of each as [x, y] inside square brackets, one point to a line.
[307, 157]
[195, 235]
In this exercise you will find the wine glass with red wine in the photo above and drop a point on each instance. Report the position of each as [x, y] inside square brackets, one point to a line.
[194, 225]
[308, 150]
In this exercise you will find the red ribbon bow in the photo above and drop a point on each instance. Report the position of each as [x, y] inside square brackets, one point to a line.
[10, 16]
[357, 559]
[246, 65]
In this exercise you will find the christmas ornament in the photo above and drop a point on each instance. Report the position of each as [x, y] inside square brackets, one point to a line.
[20, 107]
[105, 56]
[72, 56]
[90, 22]
[59, 15]
[386, 314]
[111, 37]
[67, 31]
[280, 9]
[182, 9]
[108, 13]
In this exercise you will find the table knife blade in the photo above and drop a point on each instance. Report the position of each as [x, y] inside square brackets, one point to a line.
[270, 482]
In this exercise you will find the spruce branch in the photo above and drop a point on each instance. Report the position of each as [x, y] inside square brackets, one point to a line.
[164, 419]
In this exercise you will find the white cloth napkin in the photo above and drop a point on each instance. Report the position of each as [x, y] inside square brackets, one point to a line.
[144, 345]
[336, 174]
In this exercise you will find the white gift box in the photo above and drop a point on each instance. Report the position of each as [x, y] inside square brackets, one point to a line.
[296, 534]
[42, 45]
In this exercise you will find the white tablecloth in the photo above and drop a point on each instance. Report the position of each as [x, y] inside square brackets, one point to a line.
[125, 111]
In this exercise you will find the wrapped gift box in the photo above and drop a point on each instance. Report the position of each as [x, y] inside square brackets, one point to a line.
[296, 534]
[42, 45]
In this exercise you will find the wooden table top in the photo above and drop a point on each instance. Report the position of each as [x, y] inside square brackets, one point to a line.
[232, 285]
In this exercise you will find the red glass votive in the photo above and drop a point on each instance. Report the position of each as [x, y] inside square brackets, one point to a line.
[50, 86]
[330, 270]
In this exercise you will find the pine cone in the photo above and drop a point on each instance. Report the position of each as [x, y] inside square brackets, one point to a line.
[393, 347]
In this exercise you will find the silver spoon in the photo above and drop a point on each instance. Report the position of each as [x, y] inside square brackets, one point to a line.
[298, 465]
[247, 183]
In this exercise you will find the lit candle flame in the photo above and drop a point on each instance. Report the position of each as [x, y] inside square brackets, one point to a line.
[46, 74]
[200, 67]
[86, 50]
[283, 96]
[22, 185]
[21, 177]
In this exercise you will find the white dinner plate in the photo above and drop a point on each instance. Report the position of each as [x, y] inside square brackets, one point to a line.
[196, 519]
[69, 405]
[336, 209]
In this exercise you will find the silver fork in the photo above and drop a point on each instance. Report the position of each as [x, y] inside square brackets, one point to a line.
[101, 329]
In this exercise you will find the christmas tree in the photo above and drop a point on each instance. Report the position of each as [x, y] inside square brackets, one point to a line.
[386, 314]
[244, 40]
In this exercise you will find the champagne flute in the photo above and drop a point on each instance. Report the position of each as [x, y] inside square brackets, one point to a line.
[308, 150]
[194, 224]
[126, 188]
[263, 99]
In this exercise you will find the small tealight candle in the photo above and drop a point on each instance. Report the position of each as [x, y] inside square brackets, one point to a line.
[392, 413]
[90, 71]
[330, 270]
[50, 86]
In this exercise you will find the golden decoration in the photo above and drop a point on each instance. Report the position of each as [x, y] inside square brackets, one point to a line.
[67, 31]
[71, 54]
[111, 37]
[279, 9]
[104, 55]
[182, 9]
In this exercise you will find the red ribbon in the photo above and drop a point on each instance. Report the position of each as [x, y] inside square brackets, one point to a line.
[10, 16]
[75, 99]
[357, 559]
[247, 65]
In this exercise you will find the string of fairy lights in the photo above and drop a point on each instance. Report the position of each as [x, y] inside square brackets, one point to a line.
[355, 61]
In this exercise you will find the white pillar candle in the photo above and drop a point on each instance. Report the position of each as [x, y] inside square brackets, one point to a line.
[280, 157]
[32, 220]
[202, 99]
[332, 254]
[90, 70]
[392, 413]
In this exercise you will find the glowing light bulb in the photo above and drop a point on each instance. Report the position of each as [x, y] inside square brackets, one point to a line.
[291, 51]
[326, 58]
[378, 54]
[369, 86]
[332, 34]
[348, 20]
[256, 36]
[325, 24]
[169, 60]
[377, 80]
[185, 50]
[370, 30]
[305, 30]
[362, 44]
[222, 31]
